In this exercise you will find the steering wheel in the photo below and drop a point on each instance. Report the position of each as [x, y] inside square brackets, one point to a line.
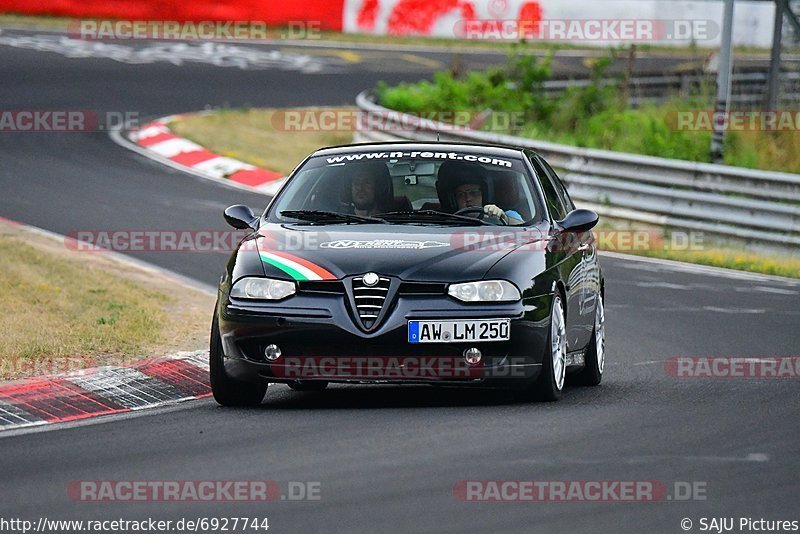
[470, 210]
[481, 214]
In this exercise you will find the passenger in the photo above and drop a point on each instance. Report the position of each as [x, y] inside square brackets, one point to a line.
[463, 185]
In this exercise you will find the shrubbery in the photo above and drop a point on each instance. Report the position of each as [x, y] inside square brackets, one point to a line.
[596, 115]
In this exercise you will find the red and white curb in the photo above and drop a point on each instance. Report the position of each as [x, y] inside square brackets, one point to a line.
[103, 391]
[156, 141]
[87, 393]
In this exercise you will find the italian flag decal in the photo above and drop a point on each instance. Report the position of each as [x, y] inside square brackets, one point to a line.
[296, 267]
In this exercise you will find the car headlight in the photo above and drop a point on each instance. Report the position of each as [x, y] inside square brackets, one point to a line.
[262, 288]
[485, 291]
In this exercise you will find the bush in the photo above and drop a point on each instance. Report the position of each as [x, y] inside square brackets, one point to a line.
[592, 116]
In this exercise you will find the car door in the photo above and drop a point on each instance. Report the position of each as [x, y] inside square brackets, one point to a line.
[579, 263]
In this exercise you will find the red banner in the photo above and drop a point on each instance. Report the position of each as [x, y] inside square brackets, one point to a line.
[328, 13]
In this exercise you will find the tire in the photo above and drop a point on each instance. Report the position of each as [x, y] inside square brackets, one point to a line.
[592, 373]
[549, 386]
[226, 390]
[302, 385]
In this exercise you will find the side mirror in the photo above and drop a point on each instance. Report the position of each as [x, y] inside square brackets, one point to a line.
[578, 221]
[241, 217]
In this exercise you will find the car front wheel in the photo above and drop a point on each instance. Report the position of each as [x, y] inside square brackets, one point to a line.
[226, 390]
[550, 383]
[592, 373]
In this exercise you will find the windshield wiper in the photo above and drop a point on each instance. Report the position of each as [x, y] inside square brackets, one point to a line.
[432, 216]
[325, 217]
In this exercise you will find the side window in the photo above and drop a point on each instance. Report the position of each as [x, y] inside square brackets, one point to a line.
[555, 203]
[560, 189]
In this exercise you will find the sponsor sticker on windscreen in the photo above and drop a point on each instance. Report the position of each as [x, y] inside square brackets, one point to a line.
[459, 331]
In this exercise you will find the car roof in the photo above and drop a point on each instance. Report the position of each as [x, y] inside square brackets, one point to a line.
[483, 149]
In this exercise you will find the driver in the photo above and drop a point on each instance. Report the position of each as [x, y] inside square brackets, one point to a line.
[370, 188]
[463, 185]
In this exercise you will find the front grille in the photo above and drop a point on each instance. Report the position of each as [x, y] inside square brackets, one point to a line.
[321, 286]
[422, 288]
[370, 300]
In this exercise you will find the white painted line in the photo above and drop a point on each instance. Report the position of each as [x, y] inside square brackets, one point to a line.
[166, 407]
[654, 458]
[150, 131]
[121, 258]
[12, 416]
[702, 269]
[117, 136]
[766, 289]
[718, 309]
[125, 386]
[197, 358]
[221, 167]
[662, 285]
[173, 147]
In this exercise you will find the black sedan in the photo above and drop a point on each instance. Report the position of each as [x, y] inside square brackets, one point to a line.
[445, 264]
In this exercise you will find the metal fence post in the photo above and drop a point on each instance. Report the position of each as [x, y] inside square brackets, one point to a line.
[773, 85]
[723, 84]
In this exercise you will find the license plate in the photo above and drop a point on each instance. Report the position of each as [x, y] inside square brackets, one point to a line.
[459, 331]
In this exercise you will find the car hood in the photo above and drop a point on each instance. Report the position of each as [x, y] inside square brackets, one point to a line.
[410, 252]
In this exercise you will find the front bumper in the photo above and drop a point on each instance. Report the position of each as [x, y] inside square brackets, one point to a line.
[319, 340]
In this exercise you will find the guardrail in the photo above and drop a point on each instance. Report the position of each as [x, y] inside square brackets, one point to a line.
[754, 205]
[748, 89]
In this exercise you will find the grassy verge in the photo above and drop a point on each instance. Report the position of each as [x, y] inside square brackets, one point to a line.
[256, 136]
[250, 135]
[731, 258]
[593, 116]
[656, 242]
[84, 306]
[11, 19]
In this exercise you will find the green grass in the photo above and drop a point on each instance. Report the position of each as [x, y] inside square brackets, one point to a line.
[78, 312]
[594, 116]
[12, 19]
[731, 258]
[256, 136]
[62, 304]
[642, 239]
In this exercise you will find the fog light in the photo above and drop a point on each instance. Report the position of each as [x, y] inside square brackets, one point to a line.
[272, 352]
[472, 356]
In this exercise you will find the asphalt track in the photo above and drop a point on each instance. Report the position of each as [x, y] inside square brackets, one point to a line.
[387, 458]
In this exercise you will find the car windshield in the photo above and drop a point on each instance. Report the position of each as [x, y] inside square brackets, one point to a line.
[441, 188]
